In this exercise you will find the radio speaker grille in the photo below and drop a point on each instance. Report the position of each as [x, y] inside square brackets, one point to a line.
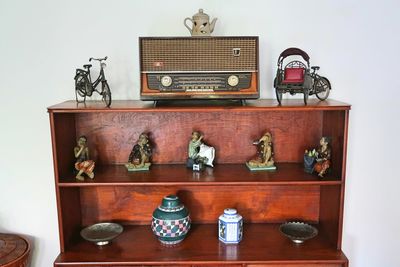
[198, 54]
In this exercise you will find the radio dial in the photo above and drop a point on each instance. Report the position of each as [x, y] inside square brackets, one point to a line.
[166, 81]
[233, 80]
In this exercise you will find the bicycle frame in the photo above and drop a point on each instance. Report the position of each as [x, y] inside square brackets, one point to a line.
[99, 79]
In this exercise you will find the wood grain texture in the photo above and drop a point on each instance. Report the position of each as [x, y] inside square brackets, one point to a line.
[135, 205]
[333, 127]
[112, 135]
[261, 244]
[14, 251]
[261, 197]
[194, 106]
[343, 188]
[70, 217]
[64, 138]
[330, 208]
[296, 265]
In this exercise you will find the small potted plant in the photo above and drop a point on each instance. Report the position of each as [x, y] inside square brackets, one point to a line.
[309, 160]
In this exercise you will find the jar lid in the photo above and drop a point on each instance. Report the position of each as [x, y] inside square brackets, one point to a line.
[230, 211]
[170, 201]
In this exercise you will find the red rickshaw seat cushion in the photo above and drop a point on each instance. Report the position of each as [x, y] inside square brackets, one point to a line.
[294, 75]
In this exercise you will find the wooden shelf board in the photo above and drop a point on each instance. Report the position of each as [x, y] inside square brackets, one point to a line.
[262, 243]
[221, 174]
[187, 106]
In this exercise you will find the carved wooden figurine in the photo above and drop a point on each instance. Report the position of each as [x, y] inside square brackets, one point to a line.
[265, 160]
[139, 158]
[323, 157]
[83, 164]
[199, 154]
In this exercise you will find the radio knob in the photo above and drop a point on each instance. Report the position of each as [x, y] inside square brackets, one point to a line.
[166, 81]
[233, 80]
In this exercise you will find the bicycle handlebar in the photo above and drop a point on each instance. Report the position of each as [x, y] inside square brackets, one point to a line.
[98, 59]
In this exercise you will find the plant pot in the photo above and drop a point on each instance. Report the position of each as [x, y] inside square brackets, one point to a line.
[309, 163]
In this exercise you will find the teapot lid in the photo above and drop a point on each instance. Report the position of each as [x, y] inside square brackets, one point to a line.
[201, 15]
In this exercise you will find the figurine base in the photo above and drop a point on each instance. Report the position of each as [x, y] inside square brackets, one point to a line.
[194, 165]
[260, 168]
[308, 170]
[135, 168]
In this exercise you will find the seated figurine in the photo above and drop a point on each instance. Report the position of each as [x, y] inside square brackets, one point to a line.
[83, 164]
[323, 157]
[265, 160]
[199, 154]
[139, 158]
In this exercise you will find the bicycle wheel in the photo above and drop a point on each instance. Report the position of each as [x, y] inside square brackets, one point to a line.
[81, 88]
[306, 93]
[322, 88]
[106, 93]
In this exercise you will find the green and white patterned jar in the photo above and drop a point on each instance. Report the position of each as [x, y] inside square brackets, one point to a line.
[171, 221]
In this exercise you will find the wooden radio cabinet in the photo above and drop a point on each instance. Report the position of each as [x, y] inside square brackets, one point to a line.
[264, 199]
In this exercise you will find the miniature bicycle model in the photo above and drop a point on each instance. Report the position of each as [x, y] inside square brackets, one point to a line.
[85, 87]
[296, 77]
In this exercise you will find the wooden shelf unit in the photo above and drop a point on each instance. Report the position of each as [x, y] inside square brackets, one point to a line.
[265, 199]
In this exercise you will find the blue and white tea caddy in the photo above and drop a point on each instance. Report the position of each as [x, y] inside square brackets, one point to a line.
[230, 227]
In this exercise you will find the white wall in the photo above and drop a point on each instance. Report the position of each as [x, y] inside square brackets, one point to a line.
[356, 43]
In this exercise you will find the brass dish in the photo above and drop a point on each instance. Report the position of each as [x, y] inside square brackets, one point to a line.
[101, 233]
[298, 232]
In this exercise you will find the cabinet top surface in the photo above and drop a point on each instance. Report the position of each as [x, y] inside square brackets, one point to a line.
[251, 105]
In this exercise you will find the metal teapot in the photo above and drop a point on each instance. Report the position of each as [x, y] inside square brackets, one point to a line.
[201, 25]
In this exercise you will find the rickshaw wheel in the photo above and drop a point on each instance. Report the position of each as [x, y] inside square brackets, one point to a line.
[322, 88]
[305, 91]
[81, 88]
[106, 94]
[278, 96]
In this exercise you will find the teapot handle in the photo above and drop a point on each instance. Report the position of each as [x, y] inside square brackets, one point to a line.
[184, 23]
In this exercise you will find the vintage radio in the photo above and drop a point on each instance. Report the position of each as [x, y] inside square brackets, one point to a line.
[199, 68]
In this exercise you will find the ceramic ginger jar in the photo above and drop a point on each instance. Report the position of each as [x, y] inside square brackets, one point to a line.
[230, 227]
[171, 221]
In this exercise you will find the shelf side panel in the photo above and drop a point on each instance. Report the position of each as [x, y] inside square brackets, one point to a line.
[70, 207]
[257, 204]
[330, 213]
[334, 127]
[65, 141]
[112, 135]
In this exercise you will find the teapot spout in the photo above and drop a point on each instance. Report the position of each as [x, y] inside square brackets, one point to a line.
[212, 24]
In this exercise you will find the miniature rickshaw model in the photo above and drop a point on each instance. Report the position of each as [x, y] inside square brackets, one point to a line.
[85, 87]
[296, 77]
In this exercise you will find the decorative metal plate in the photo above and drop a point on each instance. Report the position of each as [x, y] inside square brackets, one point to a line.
[298, 232]
[101, 233]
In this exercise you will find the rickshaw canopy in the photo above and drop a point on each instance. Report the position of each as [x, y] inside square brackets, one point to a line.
[293, 51]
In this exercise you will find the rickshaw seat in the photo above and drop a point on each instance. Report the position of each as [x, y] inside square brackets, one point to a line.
[294, 75]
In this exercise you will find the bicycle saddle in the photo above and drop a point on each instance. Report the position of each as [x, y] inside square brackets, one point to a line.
[315, 67]
[87, 66]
